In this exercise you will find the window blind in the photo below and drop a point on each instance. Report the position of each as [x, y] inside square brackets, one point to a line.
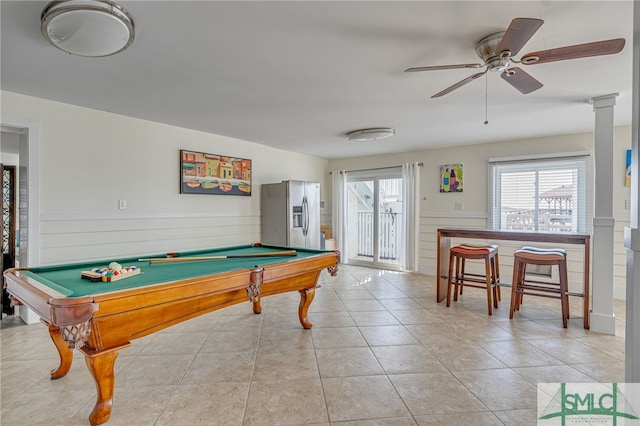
[545, 194]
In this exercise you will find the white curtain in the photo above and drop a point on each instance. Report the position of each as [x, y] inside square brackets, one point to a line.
[339, 211]
[411, 216]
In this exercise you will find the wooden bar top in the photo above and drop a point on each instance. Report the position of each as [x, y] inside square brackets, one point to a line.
[527, 236]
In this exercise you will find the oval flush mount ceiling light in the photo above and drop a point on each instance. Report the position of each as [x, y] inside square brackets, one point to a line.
[369, 135]
[91, 28]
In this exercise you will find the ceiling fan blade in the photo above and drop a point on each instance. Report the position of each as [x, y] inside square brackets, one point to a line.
[458, 84]
[597, 48]
[443, 67]
[518, 34]
[521, 80]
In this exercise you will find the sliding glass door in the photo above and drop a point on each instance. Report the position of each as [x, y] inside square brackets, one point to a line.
[374, 210]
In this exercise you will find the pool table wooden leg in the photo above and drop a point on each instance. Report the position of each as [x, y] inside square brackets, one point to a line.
[306, 297]
[253, 290]
[101, 368]
[256, 306]
[65, 352]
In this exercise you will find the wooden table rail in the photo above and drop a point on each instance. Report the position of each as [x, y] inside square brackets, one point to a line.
[444, 244]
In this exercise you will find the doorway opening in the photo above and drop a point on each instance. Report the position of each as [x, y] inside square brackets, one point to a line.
[9, 229]
[19, 157]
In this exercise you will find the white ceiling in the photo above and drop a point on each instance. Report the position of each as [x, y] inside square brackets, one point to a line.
[298, 75]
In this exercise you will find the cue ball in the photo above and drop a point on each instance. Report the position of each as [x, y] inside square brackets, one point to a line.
[115, 266]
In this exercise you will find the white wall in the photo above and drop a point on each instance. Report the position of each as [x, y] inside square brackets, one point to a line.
[7, 143]
[91, 159]
[438, 210]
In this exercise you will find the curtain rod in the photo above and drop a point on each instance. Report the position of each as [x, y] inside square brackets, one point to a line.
[420, 164]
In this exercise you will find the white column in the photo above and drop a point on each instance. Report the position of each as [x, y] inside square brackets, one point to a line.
[602, 317]
[632, 234]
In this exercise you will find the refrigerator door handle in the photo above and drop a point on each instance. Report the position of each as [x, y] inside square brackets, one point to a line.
[305, 215]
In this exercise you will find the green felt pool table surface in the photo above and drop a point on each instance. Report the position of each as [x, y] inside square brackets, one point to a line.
[66, 279]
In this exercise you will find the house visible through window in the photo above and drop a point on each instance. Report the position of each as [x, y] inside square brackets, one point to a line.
[547, 194]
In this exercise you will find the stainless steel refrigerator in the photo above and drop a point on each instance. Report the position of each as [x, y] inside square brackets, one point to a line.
[291, 213]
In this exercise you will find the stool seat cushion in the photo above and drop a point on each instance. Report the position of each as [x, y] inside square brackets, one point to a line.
[544, 250]
[487, 246]
[474, 249]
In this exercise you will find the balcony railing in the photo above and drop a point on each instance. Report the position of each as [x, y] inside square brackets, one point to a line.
[388, 237]
[546, 220]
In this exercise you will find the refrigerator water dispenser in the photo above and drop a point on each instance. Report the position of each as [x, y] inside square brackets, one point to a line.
[297, 219]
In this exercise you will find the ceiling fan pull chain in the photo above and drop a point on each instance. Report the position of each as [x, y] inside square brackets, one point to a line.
[486, 101]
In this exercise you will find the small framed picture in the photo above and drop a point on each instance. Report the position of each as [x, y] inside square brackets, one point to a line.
[627, 173]
[451, 178]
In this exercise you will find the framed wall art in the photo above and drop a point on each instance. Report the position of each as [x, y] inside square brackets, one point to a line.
[451, 178]
[627, 172]
[213, 174]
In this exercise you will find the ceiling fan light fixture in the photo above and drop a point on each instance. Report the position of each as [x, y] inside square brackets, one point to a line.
[91, 28]
[370, 135]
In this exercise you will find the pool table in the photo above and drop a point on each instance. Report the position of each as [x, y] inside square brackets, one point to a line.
[100, 318]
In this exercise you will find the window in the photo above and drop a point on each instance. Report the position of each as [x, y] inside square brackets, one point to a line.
[543, 194]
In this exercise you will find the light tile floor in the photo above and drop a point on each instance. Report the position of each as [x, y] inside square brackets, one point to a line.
[381, 352]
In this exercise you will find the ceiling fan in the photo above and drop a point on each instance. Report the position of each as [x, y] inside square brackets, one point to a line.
[497, 52]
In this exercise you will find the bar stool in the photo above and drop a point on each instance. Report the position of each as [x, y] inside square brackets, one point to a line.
[521, 285]
[490, 280]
